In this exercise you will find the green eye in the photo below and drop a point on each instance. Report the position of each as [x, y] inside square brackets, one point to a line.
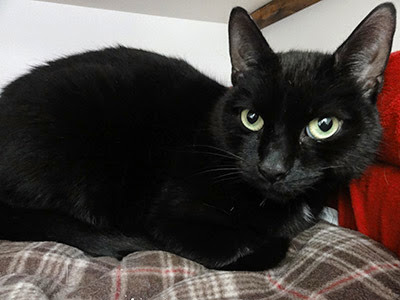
[323, 128]
[251, 120]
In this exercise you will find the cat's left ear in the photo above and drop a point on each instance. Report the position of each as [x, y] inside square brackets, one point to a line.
[247, 46]
[364, 55]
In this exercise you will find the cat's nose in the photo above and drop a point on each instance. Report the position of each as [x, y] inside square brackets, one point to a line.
[272, 172]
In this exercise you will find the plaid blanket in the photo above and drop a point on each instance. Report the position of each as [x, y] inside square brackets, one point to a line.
[324, 262]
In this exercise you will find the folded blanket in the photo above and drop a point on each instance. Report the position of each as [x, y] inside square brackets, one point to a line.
[371, 204]
[324, 262]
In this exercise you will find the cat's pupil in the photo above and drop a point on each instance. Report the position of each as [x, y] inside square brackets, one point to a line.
[325, 124]
[252, 117]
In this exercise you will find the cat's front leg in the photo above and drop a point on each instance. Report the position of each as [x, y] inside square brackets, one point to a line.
[211, 245]
[265, 257]
[219, 246]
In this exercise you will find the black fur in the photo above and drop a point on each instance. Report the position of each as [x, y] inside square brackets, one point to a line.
[121, 150]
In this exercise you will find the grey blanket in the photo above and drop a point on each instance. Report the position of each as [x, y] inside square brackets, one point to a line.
[324, 262]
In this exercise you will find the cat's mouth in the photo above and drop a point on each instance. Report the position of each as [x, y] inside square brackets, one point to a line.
[284, 189]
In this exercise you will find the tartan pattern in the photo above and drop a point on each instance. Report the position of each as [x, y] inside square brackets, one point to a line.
[324, 262]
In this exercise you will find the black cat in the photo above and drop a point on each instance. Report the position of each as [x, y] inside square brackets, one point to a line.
[121, 150]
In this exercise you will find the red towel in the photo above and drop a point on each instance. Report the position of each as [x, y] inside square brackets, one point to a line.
[371, 204]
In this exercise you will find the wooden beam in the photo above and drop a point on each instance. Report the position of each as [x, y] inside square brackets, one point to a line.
[278, 9]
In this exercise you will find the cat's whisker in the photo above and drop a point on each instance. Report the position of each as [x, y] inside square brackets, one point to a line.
[329, 167]
[222, 150]
[227, 181]
[216, 208]
[231, 179]
[215, 170]
[211, 153]
[228, 174]
[302, 179]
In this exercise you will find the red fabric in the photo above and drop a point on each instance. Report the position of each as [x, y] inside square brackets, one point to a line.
[371, 204]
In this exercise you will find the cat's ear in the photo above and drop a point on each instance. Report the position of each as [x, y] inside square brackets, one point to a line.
[247, 46]
[364, 55]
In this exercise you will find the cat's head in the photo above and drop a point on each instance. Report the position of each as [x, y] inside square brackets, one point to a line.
[299, 119]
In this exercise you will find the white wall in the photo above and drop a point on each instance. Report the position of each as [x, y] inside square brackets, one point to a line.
[33, 31]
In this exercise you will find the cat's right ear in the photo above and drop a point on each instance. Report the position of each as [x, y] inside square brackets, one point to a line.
[247, 46]
[364, 55]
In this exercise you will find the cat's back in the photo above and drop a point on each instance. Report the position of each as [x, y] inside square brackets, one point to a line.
[130, 74]
[108, 92]
[89, 123]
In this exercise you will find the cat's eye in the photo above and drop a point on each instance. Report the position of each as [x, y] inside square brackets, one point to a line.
[251, 120]
[323, 128]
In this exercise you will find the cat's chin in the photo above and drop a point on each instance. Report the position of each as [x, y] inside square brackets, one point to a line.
[280, 192]
[277, 195]
[267, 192]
